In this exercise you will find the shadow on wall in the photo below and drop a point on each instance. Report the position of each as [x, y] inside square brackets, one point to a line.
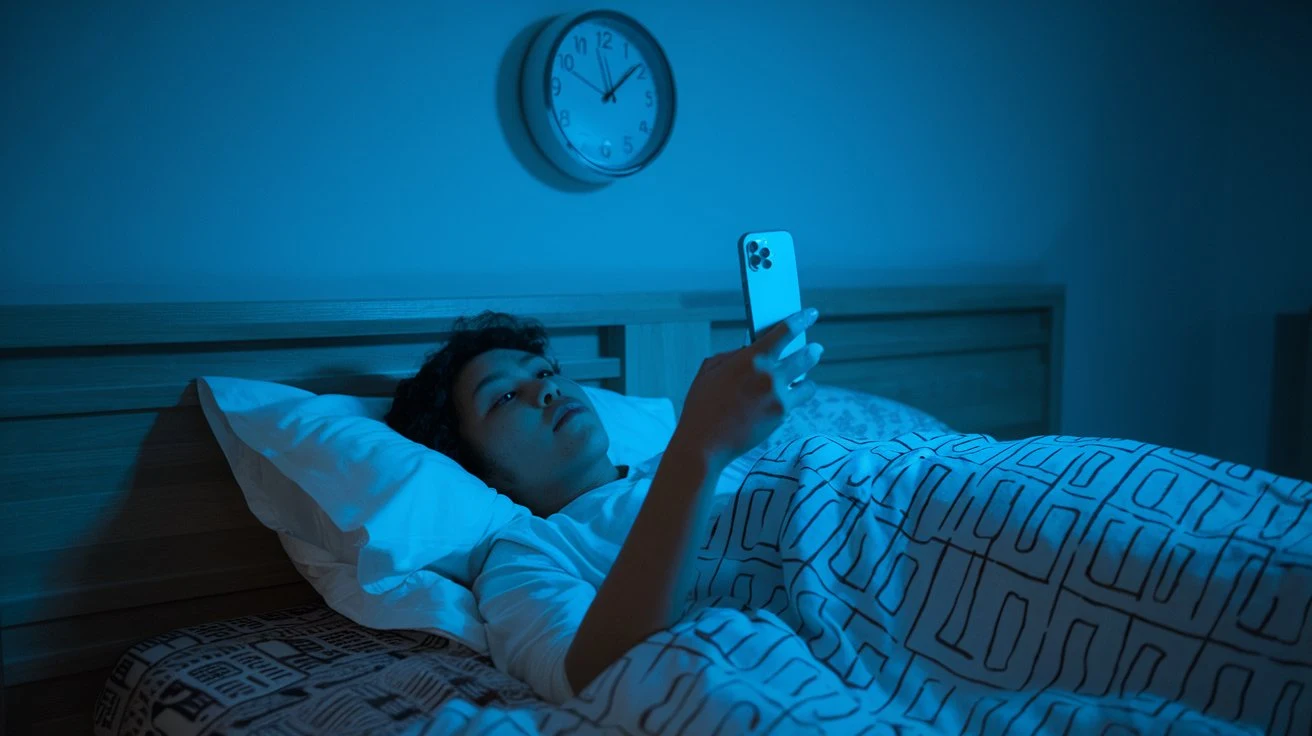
[511, 116]
[1290, 450]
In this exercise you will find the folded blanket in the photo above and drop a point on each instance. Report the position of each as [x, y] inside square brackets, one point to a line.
[956, 584]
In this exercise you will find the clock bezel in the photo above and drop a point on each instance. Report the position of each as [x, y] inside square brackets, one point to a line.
[539, 110]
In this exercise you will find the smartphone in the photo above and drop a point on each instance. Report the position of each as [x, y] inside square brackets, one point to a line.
[770, 287]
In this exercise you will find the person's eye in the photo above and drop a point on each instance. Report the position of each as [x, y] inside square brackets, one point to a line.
[507, 396]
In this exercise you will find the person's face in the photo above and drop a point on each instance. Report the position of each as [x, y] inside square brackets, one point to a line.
[510, 404]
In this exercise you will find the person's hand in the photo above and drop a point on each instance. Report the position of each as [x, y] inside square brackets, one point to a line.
[739, 397]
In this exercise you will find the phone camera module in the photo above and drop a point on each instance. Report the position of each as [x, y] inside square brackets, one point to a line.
[765, 252]
[766, 264]
[754, 262]
[752, 247]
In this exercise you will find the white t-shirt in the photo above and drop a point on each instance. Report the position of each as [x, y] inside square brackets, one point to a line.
[542, 574]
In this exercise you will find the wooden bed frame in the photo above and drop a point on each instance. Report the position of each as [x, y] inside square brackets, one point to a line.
[1303, 465]
[1291, 405]
[119, 518]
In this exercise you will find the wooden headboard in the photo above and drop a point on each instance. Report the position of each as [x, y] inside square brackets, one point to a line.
[1290, 447]
[1304, 431]
[119, 518]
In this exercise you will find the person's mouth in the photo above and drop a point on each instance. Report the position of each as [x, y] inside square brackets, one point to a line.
[566, 412]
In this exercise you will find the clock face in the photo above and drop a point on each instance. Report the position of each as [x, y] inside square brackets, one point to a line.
[610, 93]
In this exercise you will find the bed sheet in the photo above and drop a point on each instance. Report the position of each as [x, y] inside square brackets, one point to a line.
[303, 670]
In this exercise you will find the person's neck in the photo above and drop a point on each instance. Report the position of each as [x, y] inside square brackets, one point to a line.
[602, 473]
[597, 476]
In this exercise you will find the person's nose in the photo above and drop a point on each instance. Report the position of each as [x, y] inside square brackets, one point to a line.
[548, 392]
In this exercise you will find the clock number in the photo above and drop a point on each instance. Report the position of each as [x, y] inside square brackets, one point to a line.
[581, 45]
[567, 61]
[605, 150]
[555, 86]
[642, 127]
[628, 144]
[650, 100]
[563, 117]
[642, 72]
[603, 41]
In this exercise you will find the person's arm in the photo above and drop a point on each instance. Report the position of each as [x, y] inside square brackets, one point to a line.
[736, 400]
[532, 607]
[647, 586]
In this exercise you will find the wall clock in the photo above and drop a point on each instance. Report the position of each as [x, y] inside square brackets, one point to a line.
[597, 95]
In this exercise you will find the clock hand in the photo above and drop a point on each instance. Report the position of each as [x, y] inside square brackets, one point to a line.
[605, 78]
[623, 79]
[586, 81]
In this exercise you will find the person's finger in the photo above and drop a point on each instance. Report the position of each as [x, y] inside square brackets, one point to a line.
[799, 394]
[714, 358]
[799, 362]
[777, 337]
[712, 361]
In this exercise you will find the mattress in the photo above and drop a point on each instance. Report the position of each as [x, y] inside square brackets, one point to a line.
[303, 670]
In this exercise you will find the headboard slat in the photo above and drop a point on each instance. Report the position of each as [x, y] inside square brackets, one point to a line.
[989, 392]
[207, 322]
[903, 335]
[41, 585]
[187, 506]
[45, 649]
[40, 326]
[122, 381]
[661, 360]
[95, 453]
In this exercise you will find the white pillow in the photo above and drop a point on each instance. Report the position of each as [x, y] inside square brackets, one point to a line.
[638, 427]
[390, 532]
[843, 412]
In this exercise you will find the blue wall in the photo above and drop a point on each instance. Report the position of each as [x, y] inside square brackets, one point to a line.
[1148, 155]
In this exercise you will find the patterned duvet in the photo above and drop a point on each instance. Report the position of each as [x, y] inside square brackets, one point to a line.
[949, 584]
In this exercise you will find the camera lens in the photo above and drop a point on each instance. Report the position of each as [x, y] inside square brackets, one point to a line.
[766, 263]
[751, 247]
[765, 252]
[755, 261]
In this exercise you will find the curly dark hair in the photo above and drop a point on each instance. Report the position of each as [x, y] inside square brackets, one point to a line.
[423, 409]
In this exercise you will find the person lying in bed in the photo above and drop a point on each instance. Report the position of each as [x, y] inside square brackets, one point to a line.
[606, 560]
[1080, 564]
